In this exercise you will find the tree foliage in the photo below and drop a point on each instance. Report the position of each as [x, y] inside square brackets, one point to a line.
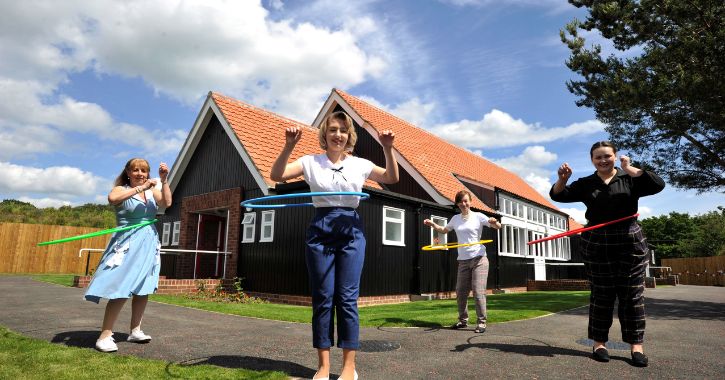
[680, 235]
[666, 104]
[88, 215]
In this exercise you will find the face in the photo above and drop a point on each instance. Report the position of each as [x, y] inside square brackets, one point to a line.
[603, 159]
[138, 174]
[336, 136]
[465, 204]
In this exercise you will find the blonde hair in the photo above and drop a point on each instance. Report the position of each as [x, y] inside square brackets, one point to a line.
[345, 123]
[122, 179]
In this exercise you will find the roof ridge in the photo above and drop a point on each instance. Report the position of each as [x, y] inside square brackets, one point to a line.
[258, 109]
[477, 156]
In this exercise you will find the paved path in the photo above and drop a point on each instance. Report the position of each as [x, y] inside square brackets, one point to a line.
[685, 339]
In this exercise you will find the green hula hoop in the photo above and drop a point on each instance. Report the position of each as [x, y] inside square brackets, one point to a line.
[98, 233]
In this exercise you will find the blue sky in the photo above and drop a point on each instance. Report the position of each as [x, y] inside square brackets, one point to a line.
[87, 85]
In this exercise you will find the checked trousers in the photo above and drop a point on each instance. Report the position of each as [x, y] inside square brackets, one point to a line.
[615, 258]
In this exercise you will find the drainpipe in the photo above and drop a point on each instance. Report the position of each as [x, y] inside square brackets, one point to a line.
[498, 234]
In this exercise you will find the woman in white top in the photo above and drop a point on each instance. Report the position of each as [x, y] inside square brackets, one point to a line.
[472, 261]
[335, 243]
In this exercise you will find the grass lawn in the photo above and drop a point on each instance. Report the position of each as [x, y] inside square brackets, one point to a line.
[436, 313]
[28, 358]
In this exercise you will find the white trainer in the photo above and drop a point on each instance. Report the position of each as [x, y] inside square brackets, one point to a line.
[137, 336]
[106, 345]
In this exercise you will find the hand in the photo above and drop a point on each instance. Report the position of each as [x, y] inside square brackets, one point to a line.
[149, 184]
[292, 135]
[564, 172]
[386, 138]
[625, 161]
[492, 221]
[428, 222]
[163, 172]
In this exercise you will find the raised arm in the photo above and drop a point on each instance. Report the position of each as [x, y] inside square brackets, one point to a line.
[389, 174]
[564, 173]
[163, 197]
[281, 170]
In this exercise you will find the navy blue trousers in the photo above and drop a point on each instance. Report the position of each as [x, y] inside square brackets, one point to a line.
[335, 254]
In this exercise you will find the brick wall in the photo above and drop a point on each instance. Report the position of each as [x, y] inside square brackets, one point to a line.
[190, 206]
[557, 285]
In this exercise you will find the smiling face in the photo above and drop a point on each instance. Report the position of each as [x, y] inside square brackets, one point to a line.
[464, 204]
[603, 159]
[336, 136]
[137, 172]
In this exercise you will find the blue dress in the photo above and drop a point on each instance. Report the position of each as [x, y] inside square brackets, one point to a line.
[131, 263]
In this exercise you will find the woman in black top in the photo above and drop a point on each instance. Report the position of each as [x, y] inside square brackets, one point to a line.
[615, 255]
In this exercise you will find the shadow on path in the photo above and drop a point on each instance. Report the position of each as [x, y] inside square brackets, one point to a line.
[247, 362]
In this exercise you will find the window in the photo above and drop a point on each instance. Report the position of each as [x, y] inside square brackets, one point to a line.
[165, 234]
[393, 226]
[512, 240]
[175, 234]
[435, 236]
[248, 224]
[267, 226]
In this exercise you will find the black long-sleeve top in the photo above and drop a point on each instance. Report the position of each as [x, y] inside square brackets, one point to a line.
[606, 202]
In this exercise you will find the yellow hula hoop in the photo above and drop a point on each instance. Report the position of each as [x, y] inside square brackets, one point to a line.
[438, 247]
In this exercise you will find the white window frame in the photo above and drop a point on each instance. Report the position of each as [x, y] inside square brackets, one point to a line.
[400, 221]
[166, 234]
[266, 223]
[249, 222]
[176, 232]
[443, 237]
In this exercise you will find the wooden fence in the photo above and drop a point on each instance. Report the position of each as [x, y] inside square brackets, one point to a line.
[698, 270]
[19, 251]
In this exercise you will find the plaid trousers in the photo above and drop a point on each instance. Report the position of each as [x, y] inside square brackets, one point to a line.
[472, 275]
[614, 258]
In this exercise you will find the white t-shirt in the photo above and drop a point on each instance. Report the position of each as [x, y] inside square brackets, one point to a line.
[469, 231]
[348, 175]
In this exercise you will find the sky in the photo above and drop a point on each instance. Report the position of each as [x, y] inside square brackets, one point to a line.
[86, 85]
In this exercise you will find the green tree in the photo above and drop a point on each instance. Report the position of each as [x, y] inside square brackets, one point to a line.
[681, 235]
[665, 105]
[88, 215]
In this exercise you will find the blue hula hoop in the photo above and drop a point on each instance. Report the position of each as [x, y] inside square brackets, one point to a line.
[250, 203]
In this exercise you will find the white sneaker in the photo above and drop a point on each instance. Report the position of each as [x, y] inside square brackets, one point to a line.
[137, 336]
[106, 345]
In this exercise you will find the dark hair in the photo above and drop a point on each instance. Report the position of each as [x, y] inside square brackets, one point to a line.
[122, 179]
[461, 194]
[601, 144]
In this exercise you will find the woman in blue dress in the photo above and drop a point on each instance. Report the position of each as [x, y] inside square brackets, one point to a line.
[130, 264]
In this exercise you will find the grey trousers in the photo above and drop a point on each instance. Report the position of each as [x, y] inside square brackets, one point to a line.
[472, 275]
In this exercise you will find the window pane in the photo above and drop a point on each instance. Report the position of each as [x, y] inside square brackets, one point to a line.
[393, 214]
[393, 231]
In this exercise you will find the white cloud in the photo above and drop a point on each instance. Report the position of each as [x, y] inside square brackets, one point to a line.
[575, 213]
[531, 166]
[46, 202]
[63, 181]
[644, 212]
[555, 6]
[499, 129]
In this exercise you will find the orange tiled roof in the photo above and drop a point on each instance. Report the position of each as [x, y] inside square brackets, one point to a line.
[262, 134]
[440, 161]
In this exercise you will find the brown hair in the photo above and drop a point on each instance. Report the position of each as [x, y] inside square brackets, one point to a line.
[601, 144]
[122, 179]
[345, 123]
[461, 194]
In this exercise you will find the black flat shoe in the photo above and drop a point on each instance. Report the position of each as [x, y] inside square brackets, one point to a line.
[600, 354]
[639, 359]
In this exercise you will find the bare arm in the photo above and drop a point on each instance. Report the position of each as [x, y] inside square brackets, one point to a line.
[163, 197]
[389, 174]
[494, 223]
[436, 227]
[281, 170]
